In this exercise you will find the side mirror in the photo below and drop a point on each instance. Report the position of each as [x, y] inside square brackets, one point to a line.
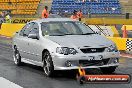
[99, 32]
[33, 36]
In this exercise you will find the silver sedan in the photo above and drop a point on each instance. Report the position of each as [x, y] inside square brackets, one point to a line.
[63, 44]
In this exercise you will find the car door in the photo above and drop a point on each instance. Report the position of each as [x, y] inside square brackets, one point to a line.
[34, 45]
[22, 40]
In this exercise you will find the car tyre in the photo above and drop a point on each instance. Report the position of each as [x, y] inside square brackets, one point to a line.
[108, 70]
[17, 57]
[48, 66]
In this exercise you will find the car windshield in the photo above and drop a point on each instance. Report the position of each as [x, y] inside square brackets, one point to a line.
[65, 28]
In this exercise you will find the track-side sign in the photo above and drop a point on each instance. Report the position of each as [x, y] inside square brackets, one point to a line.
[22, 20]
[113, 78]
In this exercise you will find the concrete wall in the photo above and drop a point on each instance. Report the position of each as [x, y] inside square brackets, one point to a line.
[107, 21]
[9, 29]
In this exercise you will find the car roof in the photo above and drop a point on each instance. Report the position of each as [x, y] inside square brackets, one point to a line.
[54, 16]
[51, 19]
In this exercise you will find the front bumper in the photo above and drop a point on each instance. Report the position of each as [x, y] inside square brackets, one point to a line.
[59, 61]
[77, 67]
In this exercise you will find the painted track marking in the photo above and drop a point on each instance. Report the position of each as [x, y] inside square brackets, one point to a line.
[4, 83]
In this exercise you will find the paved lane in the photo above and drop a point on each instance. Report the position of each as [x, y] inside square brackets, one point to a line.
[29, 76]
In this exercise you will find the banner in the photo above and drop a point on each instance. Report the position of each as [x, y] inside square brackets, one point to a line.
[22, 20]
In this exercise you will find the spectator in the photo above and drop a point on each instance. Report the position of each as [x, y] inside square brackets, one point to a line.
[74, 16]
[8, 18]
[45, 13]
[80, 14]
[2, 18]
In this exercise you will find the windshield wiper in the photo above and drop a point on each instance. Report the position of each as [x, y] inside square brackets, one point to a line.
[61, 35]
[88, 33]
[56, 35]
[68, 34]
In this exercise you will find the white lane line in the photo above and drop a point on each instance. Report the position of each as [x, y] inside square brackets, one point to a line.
[4, 83]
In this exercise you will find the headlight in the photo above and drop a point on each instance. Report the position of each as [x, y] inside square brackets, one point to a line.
[112, 48]
[65, 50]
[113, 60]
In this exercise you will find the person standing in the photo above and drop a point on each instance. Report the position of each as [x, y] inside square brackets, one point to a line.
[8, 17]
[80, 14]
[74, 16]
[45, 13]
[2, 18]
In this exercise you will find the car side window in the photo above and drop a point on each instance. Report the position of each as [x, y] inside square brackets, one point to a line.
[21, 32]
[26, 29]
[34, 29]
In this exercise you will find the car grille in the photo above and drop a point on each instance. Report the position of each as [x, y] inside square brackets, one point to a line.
[93, 63]
[93, 50]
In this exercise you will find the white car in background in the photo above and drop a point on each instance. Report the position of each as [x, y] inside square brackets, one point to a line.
[63, 44]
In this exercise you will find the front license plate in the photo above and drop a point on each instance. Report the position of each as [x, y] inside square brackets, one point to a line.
[91, 58]
[100, 57]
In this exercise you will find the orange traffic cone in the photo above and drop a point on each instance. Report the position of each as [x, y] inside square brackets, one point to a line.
[124, 32]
